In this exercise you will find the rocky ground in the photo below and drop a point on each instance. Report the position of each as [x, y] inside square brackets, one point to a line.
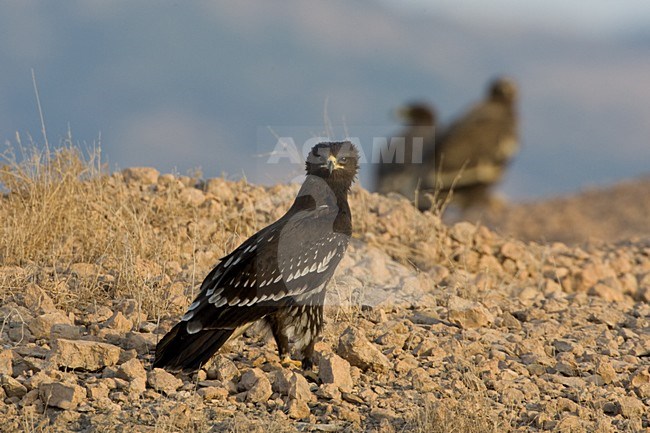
[430, 328]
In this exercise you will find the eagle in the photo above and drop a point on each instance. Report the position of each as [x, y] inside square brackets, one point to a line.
[279, 275]
[473, 152]
[403, 175]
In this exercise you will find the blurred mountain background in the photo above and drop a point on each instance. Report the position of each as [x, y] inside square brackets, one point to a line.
[209, 84]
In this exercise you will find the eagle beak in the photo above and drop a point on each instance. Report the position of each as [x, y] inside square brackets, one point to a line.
[331, 163]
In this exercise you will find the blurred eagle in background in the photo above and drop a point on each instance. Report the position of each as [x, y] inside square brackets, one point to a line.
[472, 153]
[399, 167]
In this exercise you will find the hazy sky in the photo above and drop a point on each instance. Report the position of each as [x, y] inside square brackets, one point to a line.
[210, 83]
[595, 17]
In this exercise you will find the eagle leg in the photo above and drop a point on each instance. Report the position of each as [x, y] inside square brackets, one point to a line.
[308, 356]
[281, 340]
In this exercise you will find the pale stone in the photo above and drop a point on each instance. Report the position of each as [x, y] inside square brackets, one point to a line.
[358, 351]
[86, 355]
[62, 395]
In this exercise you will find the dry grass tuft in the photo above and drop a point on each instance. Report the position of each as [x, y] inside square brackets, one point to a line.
[471, 414]
[49, 197]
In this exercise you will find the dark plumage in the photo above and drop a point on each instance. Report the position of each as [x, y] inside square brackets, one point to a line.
[279, 274]
[472, 154]
[403, 176]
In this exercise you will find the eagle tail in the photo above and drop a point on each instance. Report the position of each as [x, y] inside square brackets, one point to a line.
[179, 350]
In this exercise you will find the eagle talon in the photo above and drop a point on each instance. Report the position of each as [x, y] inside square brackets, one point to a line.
[287, 362]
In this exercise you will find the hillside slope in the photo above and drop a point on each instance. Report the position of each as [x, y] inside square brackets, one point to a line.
[445, 327]
[614, 213]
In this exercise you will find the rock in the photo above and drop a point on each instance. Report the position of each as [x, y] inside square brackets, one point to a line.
[607, 292]
[143, 175]
[463, 232]
[220, 189]
[37, 300]
[168, 179]
[65, 331]
[512, 396]
[213, 393]
[629, 284]
[358, 351]
[591, 273]
[249, 379]
[350, 415]
[564, 345]
[281, 379]
[406, 364]
[396, 336]
[425, 318]
[142, 343]
[640, 377]
[427, 347]
[382, 413]
[351, 398]
[41, 326]
[162, 381]
[468, 314]
[132, 309]
[297, 409]
[510, 321]
[30, 398]
[643, 390]
[631, 407]
[98, 391]
[147, 327]
[329, 391]
[131, 369]
[37, 379]
[192, 197]
[299, 388]
[6, 362]
[257, 384]
[61, 395]
[86, 355]
[606, 371]
[223, 369]
[260, 392]
[98, 314]
[20, 334]
[569, 424]
[119, 323]
[134, 372]
[332, 369]
[513, 250]
[12, 387]
[611, 408]
[421, 381]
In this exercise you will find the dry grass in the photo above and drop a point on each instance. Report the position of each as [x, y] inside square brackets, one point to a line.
[471, 414]
[48, 196]
[60, 208]
[242, 424]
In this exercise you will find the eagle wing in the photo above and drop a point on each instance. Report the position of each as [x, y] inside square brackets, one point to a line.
[267, 272]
